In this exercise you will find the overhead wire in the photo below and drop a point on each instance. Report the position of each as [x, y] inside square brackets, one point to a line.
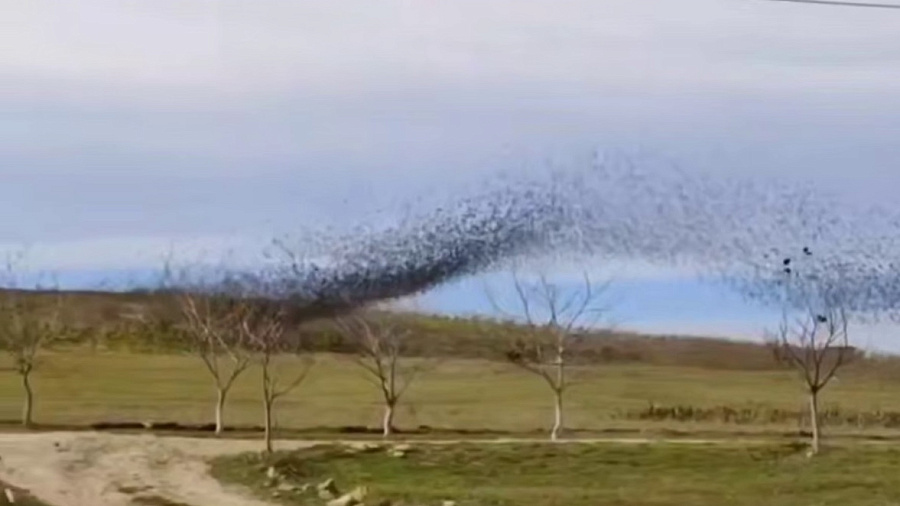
[841, 3]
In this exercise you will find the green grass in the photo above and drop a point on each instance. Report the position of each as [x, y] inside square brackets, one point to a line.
[619, 375]
[589, 475]
[79, 388]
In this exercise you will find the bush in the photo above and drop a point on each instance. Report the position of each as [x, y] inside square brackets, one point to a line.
[832, 416]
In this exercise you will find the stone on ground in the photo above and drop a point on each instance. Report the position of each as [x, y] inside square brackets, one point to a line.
[328, 489]
[354, 498]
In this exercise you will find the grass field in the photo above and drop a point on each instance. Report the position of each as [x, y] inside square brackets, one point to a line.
[748, 413]
[587, 475]
[80, 387]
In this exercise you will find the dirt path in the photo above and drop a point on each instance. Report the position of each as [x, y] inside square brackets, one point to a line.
[95, 469]
[86, 469]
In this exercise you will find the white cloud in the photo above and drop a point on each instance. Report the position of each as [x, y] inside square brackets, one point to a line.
[440, 89]
[137, 252]
[226, 48]
[362, 92]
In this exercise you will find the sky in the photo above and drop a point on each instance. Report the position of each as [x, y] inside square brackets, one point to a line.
[132, 129]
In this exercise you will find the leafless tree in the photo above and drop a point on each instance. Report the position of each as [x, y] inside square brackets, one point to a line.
[30, 322]
[380, 352]
[265, 331]
[817, 342]
[553, 314]
[214, 326]
[212, 309]
[817, 345]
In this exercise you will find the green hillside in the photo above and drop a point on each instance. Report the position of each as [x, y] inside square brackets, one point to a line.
[150, 323]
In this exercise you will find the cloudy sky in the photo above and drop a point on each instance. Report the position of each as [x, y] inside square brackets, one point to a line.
[130, 128]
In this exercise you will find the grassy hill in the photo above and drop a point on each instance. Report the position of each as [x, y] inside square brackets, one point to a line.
[149, 322]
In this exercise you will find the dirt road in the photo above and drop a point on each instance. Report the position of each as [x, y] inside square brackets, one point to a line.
[97, 469]
[88, 469]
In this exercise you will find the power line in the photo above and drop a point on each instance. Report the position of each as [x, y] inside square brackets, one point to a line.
[843, 4]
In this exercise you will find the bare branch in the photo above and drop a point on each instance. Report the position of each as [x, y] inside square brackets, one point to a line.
[543, 348]
[816, 343]
[30, 321]
[380, 353]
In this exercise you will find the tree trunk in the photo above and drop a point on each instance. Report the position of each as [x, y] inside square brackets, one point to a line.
[814, 419]
[387, 424]
[558, 389]
[29, 400]
[558, 416]
[267, 421]
[220, 409]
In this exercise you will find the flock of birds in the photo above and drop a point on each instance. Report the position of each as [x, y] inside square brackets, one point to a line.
[738, 231]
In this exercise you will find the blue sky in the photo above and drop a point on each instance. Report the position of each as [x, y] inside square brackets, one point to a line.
[130, 129]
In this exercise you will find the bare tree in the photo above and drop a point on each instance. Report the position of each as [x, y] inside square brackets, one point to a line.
[553, 314]
[30, 322]
[212, 309]
[214, 327]
[817, 343]
[380, 352]
[265, 331]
